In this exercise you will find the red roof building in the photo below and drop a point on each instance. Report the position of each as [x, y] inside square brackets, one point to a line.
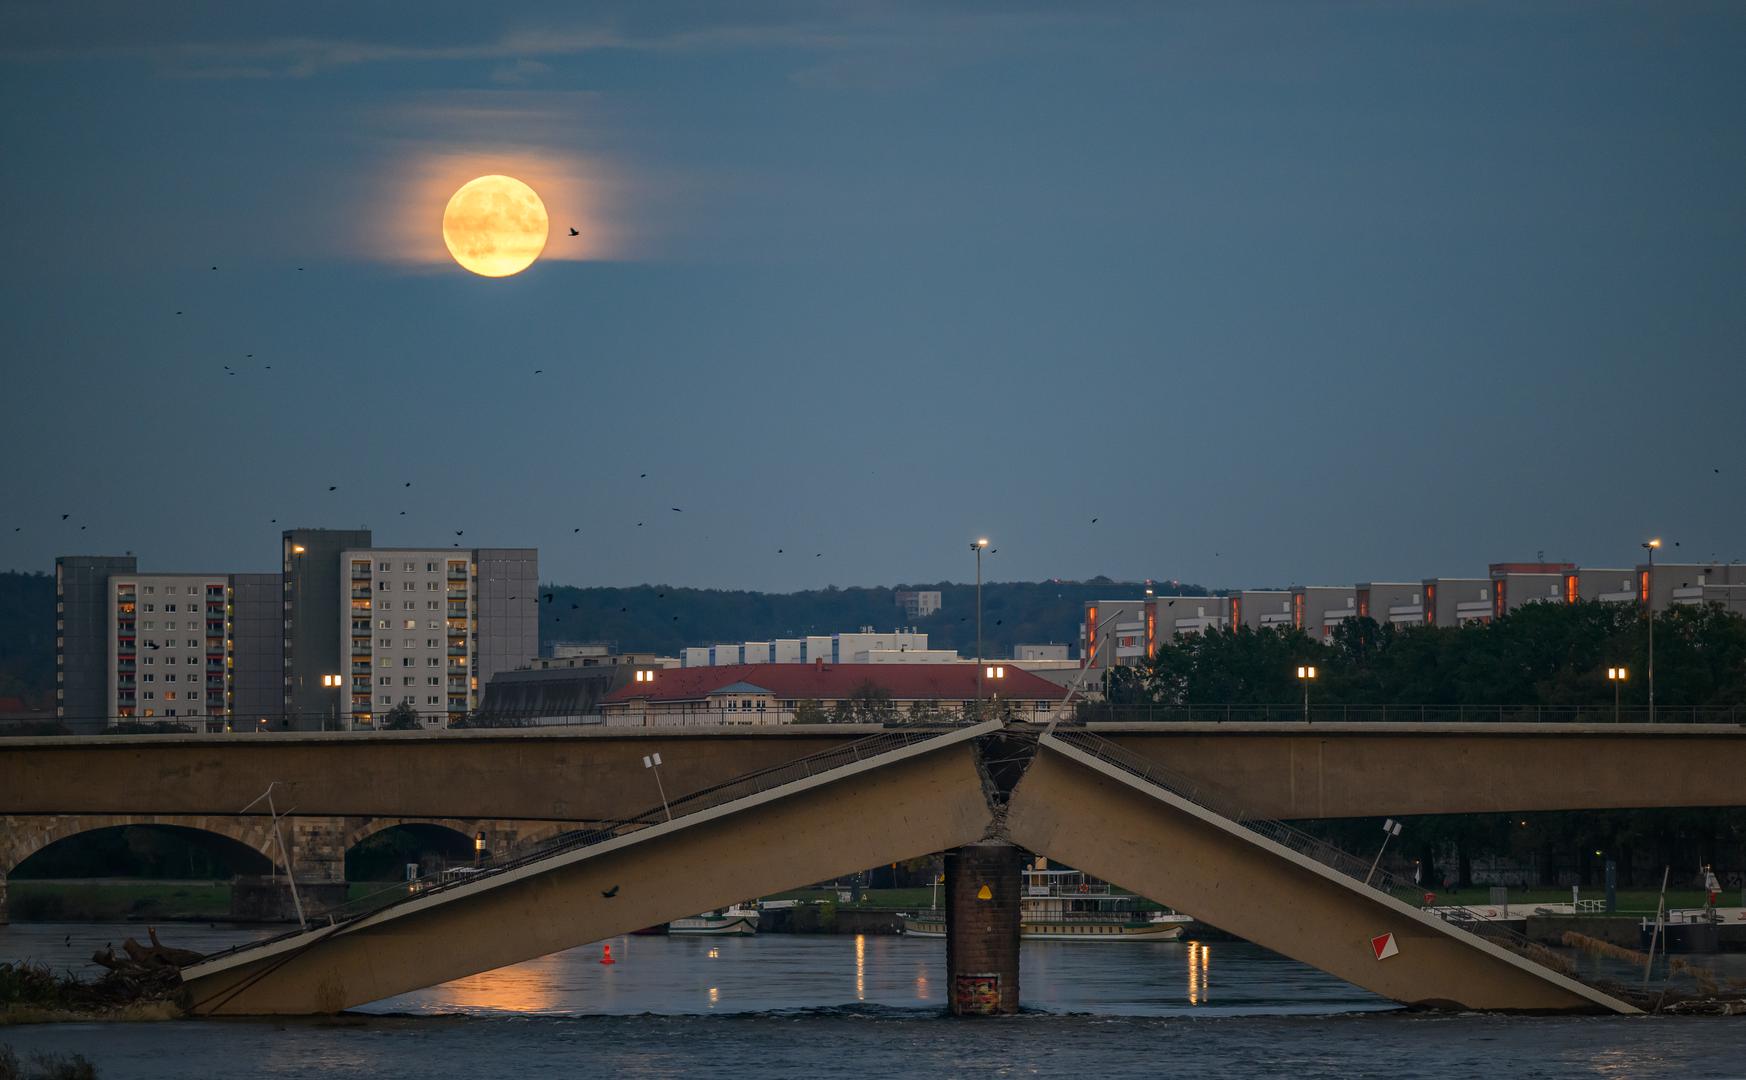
[771, 693]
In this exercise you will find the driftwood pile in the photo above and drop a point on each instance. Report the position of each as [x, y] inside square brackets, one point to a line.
[140, 972]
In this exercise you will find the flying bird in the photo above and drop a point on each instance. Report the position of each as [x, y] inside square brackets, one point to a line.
[409, 483]
[402, 513]
[676, 510]
[65, 516]
[333, 487]
[460, 532]
[573, 232]
[539, 371]
[640, 476]
[1094, 521]
[778, 551]
[639, 524]
[548, 597]
[575, 530]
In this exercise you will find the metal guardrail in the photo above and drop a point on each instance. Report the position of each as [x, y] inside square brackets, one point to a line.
[1100, 712]
[1301, 842]
[692, 803]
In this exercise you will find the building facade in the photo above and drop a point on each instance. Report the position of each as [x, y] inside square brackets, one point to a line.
[314, 587]
[429, 627]
[83, 630]
[918, 603]
[769, 694]
[866, 646]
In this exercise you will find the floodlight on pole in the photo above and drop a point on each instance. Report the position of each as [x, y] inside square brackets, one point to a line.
[977, 545]
[1306, 674]
[653, 761]
[1390, 828]
[1617, 676]
[1651, 546]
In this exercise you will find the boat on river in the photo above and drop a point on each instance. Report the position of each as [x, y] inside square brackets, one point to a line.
[736, 921]
[1066, 905]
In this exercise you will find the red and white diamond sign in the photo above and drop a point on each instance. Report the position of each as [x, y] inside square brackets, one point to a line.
[1384, 946]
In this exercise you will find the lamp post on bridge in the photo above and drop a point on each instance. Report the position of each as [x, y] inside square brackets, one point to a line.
[977, 546]
[332, 682]
[1617, 676]
[1649, 609]
[1306, 674]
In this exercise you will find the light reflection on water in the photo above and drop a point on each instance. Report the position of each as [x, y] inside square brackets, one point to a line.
[829, 1007]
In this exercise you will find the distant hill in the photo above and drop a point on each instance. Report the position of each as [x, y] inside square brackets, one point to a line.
[27, 637]
[664, 619]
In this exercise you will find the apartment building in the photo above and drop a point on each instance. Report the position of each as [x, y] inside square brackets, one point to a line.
[429, 627]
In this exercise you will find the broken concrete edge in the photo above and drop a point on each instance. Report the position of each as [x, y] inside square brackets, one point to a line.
[294, 943]
[1432, 922]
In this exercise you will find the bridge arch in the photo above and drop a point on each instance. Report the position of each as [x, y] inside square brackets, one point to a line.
[22, 837]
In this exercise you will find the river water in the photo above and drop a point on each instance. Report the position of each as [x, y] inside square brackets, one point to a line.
[827, 1006]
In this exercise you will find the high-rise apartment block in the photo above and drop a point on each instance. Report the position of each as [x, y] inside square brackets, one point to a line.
[82, 635]
[429, 627]
[306, 648]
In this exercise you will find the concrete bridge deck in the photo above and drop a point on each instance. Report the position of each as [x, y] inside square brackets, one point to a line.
[1278, 770]
[920, 792]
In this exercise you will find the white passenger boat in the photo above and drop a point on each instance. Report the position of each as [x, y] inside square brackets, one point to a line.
[730, 921]
[1066, 905]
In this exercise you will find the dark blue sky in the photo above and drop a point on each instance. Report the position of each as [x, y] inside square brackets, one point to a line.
[1279, 293]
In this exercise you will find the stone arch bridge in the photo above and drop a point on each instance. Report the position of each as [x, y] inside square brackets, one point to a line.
[315, 846]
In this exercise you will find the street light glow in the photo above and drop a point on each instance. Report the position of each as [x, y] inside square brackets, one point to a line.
[1306, 671]
[1655, 543]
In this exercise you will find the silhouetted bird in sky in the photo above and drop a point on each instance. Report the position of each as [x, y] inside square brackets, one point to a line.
[409, 483]
[65, 516]
[572, 607]
[778, 551]
[573, 232]
[539, 371]
[460, 532]
[640, 476]
[612, 892]
[549, 597]
[333, 487]
[402, 513]
[178, 313]
[639, 524]
[215, 268]
[1094, 521]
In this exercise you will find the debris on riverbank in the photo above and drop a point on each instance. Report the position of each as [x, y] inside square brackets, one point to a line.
[143, 982]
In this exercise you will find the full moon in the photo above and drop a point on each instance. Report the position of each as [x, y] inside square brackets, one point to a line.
[495, 226]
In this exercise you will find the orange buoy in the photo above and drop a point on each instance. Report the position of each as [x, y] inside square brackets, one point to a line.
[606, 955]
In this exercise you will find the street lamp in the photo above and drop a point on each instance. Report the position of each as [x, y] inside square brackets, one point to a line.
[332, 682]
[478, 848]
[1616, 675]
[1306, 674]
[1649, 607]
[977, 546]
[1390, 828]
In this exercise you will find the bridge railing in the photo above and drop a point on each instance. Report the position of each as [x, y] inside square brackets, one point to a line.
[1353, 866]
[1103, 712]
[682, 806]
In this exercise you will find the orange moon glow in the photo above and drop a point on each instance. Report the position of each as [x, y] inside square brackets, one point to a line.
[495, 226]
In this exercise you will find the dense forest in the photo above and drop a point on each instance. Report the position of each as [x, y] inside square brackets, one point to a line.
[1539, 654]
